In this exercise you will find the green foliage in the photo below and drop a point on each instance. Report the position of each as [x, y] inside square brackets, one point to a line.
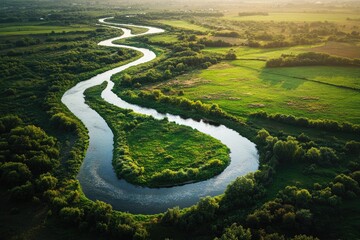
[296, 196]
[243, 192]
[352, 147]
[286, 151]
[23, 192]
[236, 232]
[63, 122]
[311, 123]
[14, 173]
[177, 155]
[46, 182]
[311, 59]
[71, 215]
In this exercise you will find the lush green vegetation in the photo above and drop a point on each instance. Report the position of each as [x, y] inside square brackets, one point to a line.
[159, 153]
[241, 87]
[311, 59]
[211, 64]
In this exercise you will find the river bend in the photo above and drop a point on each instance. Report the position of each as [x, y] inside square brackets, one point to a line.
[97, 176]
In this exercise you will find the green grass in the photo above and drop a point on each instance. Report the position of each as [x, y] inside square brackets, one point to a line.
[297, 17]
[5, 29]
[183, 25]
[244, 86]
[258, 53]
[166, 38]
[160, 145]
[339, 76]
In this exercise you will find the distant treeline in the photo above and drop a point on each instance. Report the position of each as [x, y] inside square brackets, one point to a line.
[214, 43]
[184, 57]
[227, 34]
[311, 59]
[326, 124]
[244, 14]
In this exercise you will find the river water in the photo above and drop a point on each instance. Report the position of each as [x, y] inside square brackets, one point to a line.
[97, 176]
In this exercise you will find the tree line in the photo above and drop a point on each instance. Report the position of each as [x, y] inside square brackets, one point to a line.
[324, 124]
[294, 213]
[311, 59]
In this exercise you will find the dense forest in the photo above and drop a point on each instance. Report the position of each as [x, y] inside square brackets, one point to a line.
[307, 185]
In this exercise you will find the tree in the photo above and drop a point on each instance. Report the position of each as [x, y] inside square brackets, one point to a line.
[286, 151]
[46, 182]
[231, 55]
[207, 207]
[22, 192]
[261, 136]
[14, 173]
[236, 232]
[126, 80]
[171, 216]
[242, 192]
[71, 215]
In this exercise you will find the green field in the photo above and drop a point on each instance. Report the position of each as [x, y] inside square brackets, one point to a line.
[166, 38]
[297, 17]
[184, 25]
[160, 146]
[244, 86]
[5, 29]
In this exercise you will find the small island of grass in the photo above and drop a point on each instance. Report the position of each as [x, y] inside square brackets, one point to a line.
[155, 153]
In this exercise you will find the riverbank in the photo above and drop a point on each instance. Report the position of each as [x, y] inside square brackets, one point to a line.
[97, 176]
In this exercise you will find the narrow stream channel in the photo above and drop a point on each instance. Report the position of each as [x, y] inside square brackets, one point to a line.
[97, 177]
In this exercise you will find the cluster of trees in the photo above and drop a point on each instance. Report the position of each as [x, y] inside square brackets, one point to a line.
[214, 43]
[156, 97]
[311, 59]
[329, 125]
[183, 57]
[232, 34]
[295, 213]
[299, 149]
[28, 157]
[28, 165]
[300, 211]
[169, 177]
[96, 217]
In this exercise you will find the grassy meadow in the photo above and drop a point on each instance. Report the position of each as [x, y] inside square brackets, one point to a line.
[244, 86]
[185, 25]
[160, 146]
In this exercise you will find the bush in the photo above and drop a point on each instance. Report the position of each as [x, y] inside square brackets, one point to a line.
[14, 173]
[22, 192]
[243, 192]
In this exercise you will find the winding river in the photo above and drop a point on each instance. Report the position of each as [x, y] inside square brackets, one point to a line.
[97, 177]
